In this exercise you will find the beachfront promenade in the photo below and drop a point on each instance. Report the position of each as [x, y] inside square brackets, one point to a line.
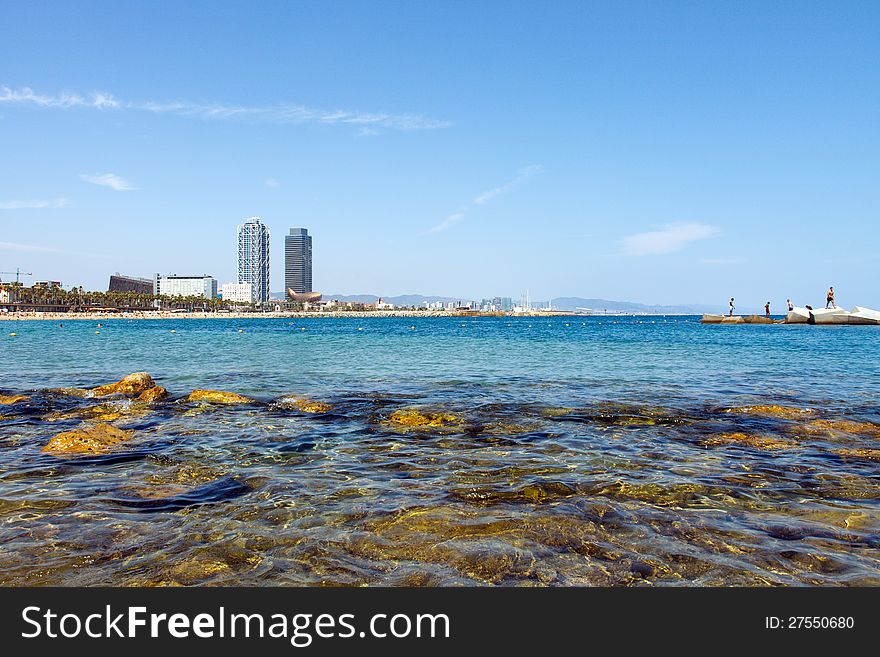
[101, 316]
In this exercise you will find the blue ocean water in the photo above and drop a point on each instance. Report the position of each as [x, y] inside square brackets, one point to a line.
[601, 450]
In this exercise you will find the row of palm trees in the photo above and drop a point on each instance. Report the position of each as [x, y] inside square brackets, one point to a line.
[78, 298]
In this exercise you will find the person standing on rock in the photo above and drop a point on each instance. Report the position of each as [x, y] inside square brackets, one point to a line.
[829, 299]
[732, 307]
[790, 305]
[767, 310]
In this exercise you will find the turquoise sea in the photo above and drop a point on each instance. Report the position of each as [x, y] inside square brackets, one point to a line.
[551, 451]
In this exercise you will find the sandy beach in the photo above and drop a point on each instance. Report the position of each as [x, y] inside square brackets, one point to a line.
[101, 316]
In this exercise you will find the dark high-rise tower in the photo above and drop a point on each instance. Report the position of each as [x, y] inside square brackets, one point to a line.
[298, 262]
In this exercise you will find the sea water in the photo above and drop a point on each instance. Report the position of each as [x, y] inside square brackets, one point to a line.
[564, 451]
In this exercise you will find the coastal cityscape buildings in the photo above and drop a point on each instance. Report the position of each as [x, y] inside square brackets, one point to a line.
[297, 262]
[253, 258]
[237, 292]
[173, 285]
[122, 283]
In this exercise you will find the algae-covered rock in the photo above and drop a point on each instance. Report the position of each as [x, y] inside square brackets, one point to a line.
[104, 412]
[218, 397]
[88, 439]
[6, 400]
[842, 426]
[555, 411]
[749, 440]
[306, 405]
[156, 393]
[774, 410]
[860, 453]
[420, 419]
[133, 384]
[536, 493]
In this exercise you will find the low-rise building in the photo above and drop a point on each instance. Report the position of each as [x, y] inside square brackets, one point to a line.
[122, 283]
[237, 292]
[173, 285]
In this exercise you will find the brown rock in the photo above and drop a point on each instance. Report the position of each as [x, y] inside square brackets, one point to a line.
[749, 440]
[413, 418]
[218, 397]
[133, 384]
[774, 410]
[11, 399]
[153, 394]
[88, 439]
[860, 453]
[842, 426]
[306, 405]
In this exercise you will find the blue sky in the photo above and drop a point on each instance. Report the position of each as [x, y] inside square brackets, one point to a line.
[657, 152]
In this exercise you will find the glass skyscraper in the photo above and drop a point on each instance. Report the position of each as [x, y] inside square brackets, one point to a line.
[253, 257]
[298, 262]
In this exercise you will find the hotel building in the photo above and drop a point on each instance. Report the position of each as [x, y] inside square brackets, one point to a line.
[237, 292]
[253, 257]
[185, 286]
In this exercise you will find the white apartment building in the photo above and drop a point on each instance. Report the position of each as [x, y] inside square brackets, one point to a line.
[173, 285]
[237, 292]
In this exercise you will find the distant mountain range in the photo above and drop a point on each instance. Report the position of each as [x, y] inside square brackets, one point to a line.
[559, 303]
[578, 303]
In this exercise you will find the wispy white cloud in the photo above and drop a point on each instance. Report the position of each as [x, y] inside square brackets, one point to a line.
[27, 96]
[110, 180]
[34, 204]
[485, 197]
[271, 182]
[489, 194]
[670, 238]
[281, 113]
[448, 222]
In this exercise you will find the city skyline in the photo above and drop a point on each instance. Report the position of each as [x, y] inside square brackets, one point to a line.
[674, 154]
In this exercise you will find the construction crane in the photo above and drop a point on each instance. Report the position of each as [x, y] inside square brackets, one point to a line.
[18, 272]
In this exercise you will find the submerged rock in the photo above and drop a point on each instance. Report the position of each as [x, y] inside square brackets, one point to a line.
[133, 384]
[749, 440]
[842, 426]
[305, 405]
[419, 419]
[218, 397]
[6, 400]
[860, 453]
[106, 412]
[153, 394]
[88, 439]
[536, 493]
[774, 410]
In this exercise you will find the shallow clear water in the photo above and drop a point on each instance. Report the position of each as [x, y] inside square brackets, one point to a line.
[574, 451]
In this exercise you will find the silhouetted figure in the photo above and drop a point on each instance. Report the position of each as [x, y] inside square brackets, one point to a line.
[767, 310]
[732, 307]
[790, 305]
[829, 299]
